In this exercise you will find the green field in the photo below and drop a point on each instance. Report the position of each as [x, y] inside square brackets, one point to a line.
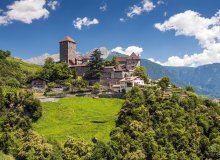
[79, 118]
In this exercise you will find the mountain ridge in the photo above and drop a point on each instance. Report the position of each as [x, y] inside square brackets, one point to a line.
[205, 79]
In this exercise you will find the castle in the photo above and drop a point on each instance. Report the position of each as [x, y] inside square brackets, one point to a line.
[111, 74]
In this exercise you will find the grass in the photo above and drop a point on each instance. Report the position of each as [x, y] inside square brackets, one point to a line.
[78, 117]
[29, 67]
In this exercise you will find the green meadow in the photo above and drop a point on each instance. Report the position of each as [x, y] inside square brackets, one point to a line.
[78, 117]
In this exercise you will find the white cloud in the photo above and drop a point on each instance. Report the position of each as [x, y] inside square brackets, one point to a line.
[153, 60]
[103, 8]
[25, 11]
[122, 19]
[53, 4]
[40, 59]
[205, 30]
[129, 50]
[79, 22]
[3, 20]
[160, 2]
[165, 14]
[145, 6]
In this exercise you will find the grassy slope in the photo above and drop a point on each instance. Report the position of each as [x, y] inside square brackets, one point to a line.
[33, 68]
[78, 117]
[16, 69]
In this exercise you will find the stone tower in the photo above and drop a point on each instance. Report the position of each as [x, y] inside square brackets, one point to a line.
[68, 51]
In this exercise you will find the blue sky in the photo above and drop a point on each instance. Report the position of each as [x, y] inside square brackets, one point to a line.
[28, 37]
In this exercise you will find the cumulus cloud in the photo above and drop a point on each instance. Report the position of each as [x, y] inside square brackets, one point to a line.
[205, 30]
[40, 59]
[53, 4]
[80, 22]
[25, 11]
[145, 6]
[129, 50]
[103, 8]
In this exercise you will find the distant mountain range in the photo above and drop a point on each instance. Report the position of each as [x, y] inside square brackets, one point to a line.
[205, 79]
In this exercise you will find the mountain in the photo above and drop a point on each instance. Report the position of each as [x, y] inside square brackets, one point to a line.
[205, 79]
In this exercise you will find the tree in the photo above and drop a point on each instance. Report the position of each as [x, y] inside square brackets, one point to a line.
[164, 82]
[115, 61]
[48, 68]
[190, 89]
[140, 72]
[95, 65]
[102, 151]
[96, 87]
[56, 71]
[4, 54]
[76, 149]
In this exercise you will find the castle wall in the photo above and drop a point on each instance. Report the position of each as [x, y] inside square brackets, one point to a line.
[132, 64]
[81, 70]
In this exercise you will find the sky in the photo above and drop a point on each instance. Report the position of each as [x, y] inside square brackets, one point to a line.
[168, 32]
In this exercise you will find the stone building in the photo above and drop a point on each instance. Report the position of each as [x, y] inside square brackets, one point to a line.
[111, 74]
[38, 84]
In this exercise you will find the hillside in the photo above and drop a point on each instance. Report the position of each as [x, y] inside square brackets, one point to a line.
[78, 117]
[205, 79]
[179, 128]
[12, 69]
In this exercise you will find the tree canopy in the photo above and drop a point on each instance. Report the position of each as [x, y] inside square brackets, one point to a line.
[140, 72]
[96, 65]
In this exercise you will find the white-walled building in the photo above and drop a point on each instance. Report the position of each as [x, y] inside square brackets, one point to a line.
[127, 83]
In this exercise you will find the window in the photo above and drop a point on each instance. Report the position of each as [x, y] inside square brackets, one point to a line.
[129, 84]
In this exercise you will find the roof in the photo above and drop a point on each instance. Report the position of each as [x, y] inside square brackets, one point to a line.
[79, 65]
[39, 78]
[68, 39]
[116, 86]
[121, 59]
[129, 79]
[133, 56]
[107, 67]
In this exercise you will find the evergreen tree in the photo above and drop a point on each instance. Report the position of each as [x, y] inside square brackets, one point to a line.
[96, 65]
[115, 61]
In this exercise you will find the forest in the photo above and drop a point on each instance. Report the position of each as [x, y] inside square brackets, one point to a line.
[147, 127]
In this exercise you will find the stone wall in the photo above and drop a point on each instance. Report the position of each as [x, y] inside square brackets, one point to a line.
[67, 51]
[132, 64]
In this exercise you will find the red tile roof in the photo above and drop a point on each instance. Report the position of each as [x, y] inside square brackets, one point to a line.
[68, 39]
[121, 59]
